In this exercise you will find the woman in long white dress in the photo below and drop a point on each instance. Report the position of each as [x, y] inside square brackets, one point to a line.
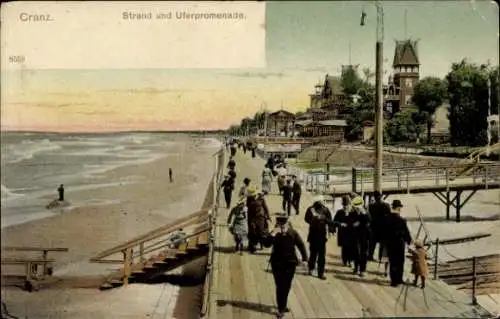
[267, 178]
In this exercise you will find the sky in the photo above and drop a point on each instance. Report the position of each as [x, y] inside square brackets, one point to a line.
[304, 41]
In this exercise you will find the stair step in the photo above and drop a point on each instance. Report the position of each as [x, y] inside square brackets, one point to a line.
[106, 286]
[115, 282]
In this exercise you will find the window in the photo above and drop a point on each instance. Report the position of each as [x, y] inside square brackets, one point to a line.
[408, 83]
[415, 69]
[407, 99]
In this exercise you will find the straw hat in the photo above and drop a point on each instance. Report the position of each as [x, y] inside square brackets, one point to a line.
[242, 200]
[357, 201]
[418, 243]
[252, 190]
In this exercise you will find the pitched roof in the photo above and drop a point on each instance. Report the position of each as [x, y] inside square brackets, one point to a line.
[282, 113]
[303, 123]
[405, 53]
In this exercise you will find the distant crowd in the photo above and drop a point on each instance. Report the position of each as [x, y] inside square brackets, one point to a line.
[359, 230]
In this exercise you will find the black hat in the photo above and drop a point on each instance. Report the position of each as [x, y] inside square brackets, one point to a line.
[396, 203]
[377, 194]
[281, 217]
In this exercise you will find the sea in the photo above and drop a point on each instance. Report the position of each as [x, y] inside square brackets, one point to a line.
[33, 165]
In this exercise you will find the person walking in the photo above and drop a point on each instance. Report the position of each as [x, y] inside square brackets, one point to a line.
[258, 217]
[398, 235]
[231, 164]
[296, 194]
[267, 179]
[233, 149]
[320, 222]
[287, 197]
[170, 175]
[244, 188]
[284, 261]
[379, 212]
[359, 222]
[238, 224]
[340, 223]
[253, 151]
[228, 187]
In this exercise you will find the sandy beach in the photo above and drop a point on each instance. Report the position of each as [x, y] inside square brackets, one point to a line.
[148, 202]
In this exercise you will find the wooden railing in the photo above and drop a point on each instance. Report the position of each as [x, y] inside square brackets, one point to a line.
[31, 264]
[140, 247]
[405, 178]
[207, 287]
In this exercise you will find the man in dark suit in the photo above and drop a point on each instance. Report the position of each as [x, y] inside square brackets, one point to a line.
[379, 211]
[284, 259]
[398, 235]
[320, 222]
[296, 193]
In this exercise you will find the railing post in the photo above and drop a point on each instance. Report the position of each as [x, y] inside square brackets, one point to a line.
[354, 180]
[408, 181]
[474, 299]
[127, 254]
[44, 257]
[327, 171]
[437, 176]
[141, 252]
[447, 176]
[362, 187]
[486, 176]
[398, 173]
[436, 252]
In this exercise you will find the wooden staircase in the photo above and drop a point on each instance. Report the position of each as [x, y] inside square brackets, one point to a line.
[166, 260]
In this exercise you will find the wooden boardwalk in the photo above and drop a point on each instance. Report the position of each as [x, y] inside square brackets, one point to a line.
[243, 288]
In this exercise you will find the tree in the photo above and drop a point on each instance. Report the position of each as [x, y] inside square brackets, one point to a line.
[368, 74]
[468, 97]
[428, 95]
[363, 110]
[401, 128]
[350, 81]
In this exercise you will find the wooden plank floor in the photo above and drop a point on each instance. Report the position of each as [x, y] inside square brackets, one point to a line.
[243, 288]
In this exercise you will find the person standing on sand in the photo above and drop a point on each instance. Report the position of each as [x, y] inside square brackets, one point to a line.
[233, 149]
[398, 235]
[359, 222]
[170, 175]
[258, 217]
[60, 190]
[296, 193]
[284, 259]
[228, 187]
[253, 151]
[320, 222]
[379, 212]
[238, 224]
[340, 224]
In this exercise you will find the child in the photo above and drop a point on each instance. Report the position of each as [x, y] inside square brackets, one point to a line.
[419, 266]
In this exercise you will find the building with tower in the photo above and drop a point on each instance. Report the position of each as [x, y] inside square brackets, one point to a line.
[406, 72]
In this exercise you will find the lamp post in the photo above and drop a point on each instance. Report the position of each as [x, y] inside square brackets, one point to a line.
[488, 133]
[379, 98]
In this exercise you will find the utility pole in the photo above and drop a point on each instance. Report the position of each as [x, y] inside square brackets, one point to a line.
[489, 114]
[379, 120]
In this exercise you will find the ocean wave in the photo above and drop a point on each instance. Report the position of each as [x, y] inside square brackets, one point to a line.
[15, 153]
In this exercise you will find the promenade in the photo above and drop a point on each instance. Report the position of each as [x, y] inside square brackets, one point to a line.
[243, 288]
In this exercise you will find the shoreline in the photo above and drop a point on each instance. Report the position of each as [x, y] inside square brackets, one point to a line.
[87, 230]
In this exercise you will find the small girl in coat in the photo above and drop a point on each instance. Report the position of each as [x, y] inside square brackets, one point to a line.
[419, 267]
